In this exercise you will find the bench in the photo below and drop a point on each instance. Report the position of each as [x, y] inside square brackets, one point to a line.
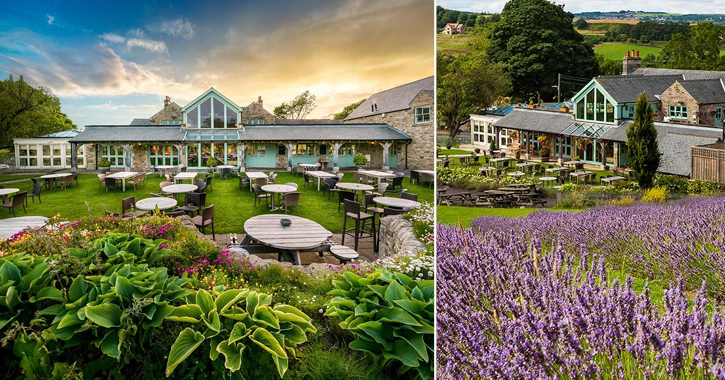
[343, 253]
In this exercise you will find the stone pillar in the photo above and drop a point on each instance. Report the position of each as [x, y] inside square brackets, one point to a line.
[127, 149]
[386, 154]
[242, 157]
[336, 154]
[603, 145]
[73, 156]
[616, 154]
[289, 146]
[560, 153]
[180, 150]
[17, 156]
[527, 155]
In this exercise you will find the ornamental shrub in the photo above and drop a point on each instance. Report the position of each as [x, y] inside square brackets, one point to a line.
[655, 194]
[359, 159]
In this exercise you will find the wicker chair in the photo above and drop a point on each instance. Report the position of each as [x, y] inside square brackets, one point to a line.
[205, 219]
[291, 199]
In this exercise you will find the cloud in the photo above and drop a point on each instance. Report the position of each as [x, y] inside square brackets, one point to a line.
[176, 28]
[673, 6]
[50, 19]
[150, 45]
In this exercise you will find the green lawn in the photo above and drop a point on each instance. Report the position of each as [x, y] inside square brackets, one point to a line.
[464, 215]
[455, 44]
[617, 50]
[453, 151]
[232, 206]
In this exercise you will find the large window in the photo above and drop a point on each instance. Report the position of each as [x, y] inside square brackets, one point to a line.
[114, 154]
[305, 150]
[28, 155]
[678, 112]
[80, 155]
[422, 114]
[348, 150]
[163, 155]
[257, 150]
[212, 112]
[52, 155]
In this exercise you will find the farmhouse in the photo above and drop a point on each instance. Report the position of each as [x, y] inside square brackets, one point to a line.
[454, 28]
[212, 125]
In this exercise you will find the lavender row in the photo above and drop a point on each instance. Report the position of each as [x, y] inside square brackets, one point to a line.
[507, 310]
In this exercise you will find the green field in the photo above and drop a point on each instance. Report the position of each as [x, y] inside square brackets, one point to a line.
[464, 215]
[617, 50]
[454, 44]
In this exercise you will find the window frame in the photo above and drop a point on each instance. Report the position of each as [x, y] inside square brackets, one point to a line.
[422, 114]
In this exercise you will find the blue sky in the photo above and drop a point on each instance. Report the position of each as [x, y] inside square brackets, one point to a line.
[673, 6]
[110, 62]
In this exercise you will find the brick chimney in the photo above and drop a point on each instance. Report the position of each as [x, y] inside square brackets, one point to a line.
[259, 100]
[167, 101]
[631, 62]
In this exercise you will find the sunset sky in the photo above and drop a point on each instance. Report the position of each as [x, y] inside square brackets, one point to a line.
[110, 62]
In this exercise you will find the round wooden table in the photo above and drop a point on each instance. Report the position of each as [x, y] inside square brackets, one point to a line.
[56, 175]
[300, 235]
[11, 226]
[351, 186]
[179, 189]
[278, 189]
[150, 204]
[8, 191]
[405, 204]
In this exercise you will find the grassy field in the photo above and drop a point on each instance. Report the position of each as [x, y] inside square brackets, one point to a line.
[617, 50]
[455, 44]
[13, 177]
[464, 215]
[454, 151]
[232, 206]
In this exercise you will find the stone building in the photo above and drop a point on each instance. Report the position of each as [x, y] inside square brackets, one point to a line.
[408, 108]
[697, 102]
[255, 113]
[454, 28]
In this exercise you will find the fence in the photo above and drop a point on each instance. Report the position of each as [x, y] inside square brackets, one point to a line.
[708, 163]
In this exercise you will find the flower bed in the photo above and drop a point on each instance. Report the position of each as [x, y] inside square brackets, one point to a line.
[559, 294]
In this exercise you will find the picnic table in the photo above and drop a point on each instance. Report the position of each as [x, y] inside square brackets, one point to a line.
[496, 161]
[320, 175]
[186, 175]
[514, 189]
[487, 169]
[278, 189]
[556, 169]
[253, 176]
[300, 235]
[11, 226]
[150, 204]
[465, 196]
[405, 204]
[581, 173]
[546, 180]
[123, 176]
[377, 174]
[615, 178]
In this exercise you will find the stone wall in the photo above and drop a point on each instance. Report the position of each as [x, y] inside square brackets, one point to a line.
[397, 238]
[421, 151]
[256, 111]
[171, 111]
[676, 95]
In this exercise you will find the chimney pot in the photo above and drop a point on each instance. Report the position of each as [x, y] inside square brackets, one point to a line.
[167, 101]
[627, 55]
[259, 100]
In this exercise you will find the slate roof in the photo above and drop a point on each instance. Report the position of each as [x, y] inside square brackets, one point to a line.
[626, 88]
[307, 121]
[324, 132]
[141, 121]
[394, 99]
[684, 74]
[60, 134]
[535, 121]
[705, 91]
[132, 134]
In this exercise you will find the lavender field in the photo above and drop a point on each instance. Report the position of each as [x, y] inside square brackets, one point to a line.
[536, 298]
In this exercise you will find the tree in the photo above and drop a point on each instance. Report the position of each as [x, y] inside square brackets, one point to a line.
[581, 24]
[642, 149]
[608, 66]
[700, 50]
[536, 40]
[298, 108]
[347, 110]
[28, 112]
[467, 83]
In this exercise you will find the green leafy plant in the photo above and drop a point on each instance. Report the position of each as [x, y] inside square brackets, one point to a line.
[104, 163]
[359, 159]
[240, 324]
[544, 152]
[390, 315]
[212, 162]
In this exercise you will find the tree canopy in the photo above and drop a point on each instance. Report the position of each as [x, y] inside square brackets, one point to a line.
[301, 106]
[467, 83]
[642, 149]
[700, 50]
[536, 40]
[26, 111]
[347, 110]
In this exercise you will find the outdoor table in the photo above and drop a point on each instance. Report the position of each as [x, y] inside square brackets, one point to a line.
[186, 175]
[377, 174]
[517, 174]
[8, 191]
[609, 180]
[253, 176]
[11, 226]
[499, 196]
[545, 180]
[123, 176]
[526, 164]
[405, 204]
[150, 204]
[572, 163]
[165, 168]
[300, 235]
[514, 189]
[580, 174]
[361, 187]
[277, 189]
[556, 169]
[495, 161]
[54, 177]
[319, 175]
[179, 189]
[431, 172]
[220, 167]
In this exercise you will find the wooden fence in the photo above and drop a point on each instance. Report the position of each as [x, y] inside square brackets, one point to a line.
[708, 164]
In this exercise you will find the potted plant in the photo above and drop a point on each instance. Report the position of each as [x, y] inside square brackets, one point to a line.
[531, 103]
[582, 143]
[544, 153]
[211, 162]
[359, 160]
[104, 165]
[477, 150]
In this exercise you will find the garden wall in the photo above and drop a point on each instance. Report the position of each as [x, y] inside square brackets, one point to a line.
[397, 238]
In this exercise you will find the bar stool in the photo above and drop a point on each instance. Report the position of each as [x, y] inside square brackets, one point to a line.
[352, 211]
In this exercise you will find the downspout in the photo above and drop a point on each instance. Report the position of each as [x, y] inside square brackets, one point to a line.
[406, 155]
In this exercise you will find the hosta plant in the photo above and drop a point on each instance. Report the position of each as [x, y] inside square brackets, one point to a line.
[390, 315]
[242, 325]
